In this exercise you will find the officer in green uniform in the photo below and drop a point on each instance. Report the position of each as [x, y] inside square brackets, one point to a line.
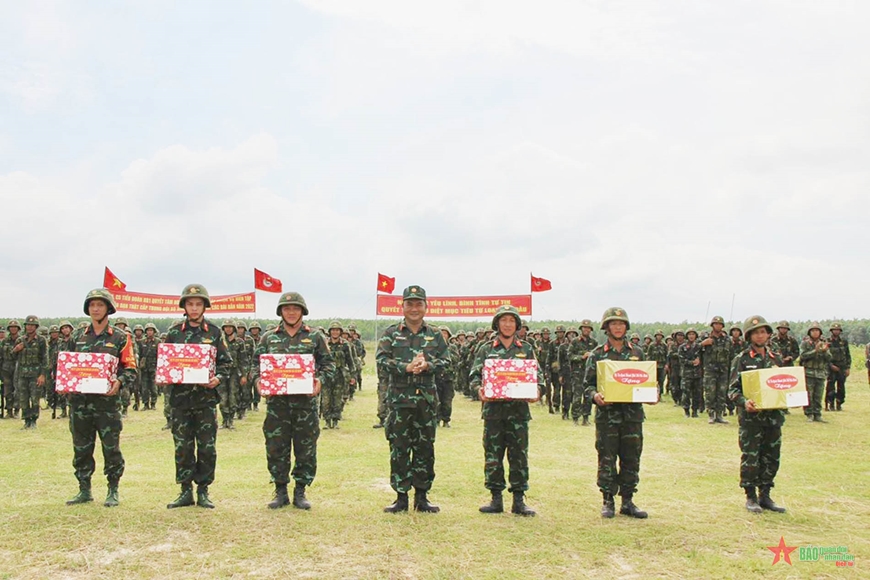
[31, 356]
[841, 367]
[716, 358]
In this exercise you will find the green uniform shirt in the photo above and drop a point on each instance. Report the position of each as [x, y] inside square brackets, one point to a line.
[615, 412]
[494, 349]
[397, 348]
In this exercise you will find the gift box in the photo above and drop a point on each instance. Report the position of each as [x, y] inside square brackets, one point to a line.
[776, 388]
[85, 372]
[515, 378]
[188, 364]
[286, 374]
[627, 381]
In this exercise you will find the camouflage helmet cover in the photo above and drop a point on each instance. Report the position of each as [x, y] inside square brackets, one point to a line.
[615, 313]
[13, 323]
[815, 325]
[587, 323]
[139, 327]
[66, 323]
[560, 328]
[100, 294]
[32, 319]
[255, 325]
[336, 324]
[754, 323]
[504, 311]
[545, 329]
[227, 322]
[442, 329]
[783, 324]
[54, 328]
[194, 291]
[292, 298]
[241, 324]
[121, 320]
[691, 330]
[717, 320]
[635, 335]
[151, 326]
[659, 332]
[836, 326]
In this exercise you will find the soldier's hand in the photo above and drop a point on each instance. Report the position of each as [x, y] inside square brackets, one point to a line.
[18, 347]
[707, 342]
[243, 381]
[212, 383]
[353, 381]
[750, 406]
[835, 368]
[316, 388]
[113, 390]
[847, 372]
[696, 362]
[598, 398]
[40, 381]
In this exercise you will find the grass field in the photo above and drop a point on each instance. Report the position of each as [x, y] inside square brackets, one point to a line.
[697, 527]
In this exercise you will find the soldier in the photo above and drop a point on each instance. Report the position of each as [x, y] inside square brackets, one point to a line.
[100, 414]
[690, 373]
[51, 397]
[245, 396]
[716, 357]
[658, 351]
[543, 352]
[148, 366]
[785, 344]
[578, 353]
[816, 360]
[194, 421]
[556, 369]
[444, 381]
[383, 389]
[360, 349]
[841, 367]
[126, 394]
[65, 343]
[343, 380]
[8, 368]
[254, 330]
[292, 420]
[635, 340]
[674, 368]
[618, 426]
[412, 352]
[565, 374]
[228, 390]
[31, 367]
[505, 423]
[759, 432]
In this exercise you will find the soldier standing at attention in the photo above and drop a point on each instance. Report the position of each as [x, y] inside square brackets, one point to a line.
[556, 368]
[360, 349]
[50, 394]
[194, 421]
[342, 381]
[412, 352]
[65, 342]
[244, 392]
[785, 344]
[505, 423]
[759, 432]
[148, 366]
[674, 368]
[444, 382]
[292, 421]
[690, 379]
[841, 367]
[255, 332]
[816, 360]
[93, 414]
[31, 356]
[578, 353]
[716, 355]
[658, 351]
[8, 369]
[618, 426]
[228, 390]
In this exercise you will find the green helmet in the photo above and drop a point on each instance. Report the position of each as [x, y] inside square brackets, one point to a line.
[545, 329]
[659, 332]
[647, 337]
[289, 298]
[138, 327]
[66, 323]
[336, 324]
[691, 330]
[255, 325]
[717, 319]
[560, 328]
[736, 326]
[677, 332]
[524, 325]
[836, 326]
[228, 322]
[815, 325]
[32, 319]
[54, 328]
[351, 327]
[587, 323]
[14, 323]
[151, 326]
[83, 325]
[480, 331]
[754, 323]
[612, 314]
[101, 294]
[443, 328]
[121, 320]
[241, 324]
[635, 335]
[194, 291]
[783, 324]
[503, 311]
[572, 331]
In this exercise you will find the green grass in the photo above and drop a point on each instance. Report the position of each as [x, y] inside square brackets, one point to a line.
[697, 528]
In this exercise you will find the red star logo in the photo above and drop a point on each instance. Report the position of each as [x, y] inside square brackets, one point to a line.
[782, 551]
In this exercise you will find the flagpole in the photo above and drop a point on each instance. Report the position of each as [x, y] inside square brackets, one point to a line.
[731, 317]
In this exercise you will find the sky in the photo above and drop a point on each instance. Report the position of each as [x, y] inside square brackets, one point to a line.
[666, 157]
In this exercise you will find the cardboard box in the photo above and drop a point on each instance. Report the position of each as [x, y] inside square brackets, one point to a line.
[188, 364]
[776, 388]
[510, 379]
[85, 372]
[286, 374]
[627, 381]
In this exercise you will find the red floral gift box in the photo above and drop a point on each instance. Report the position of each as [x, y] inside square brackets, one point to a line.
[85, 372]
[510, 379]
[188, 364]
[286, 374]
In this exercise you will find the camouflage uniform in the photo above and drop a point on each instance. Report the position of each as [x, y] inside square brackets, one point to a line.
[556, 362]
[542, 351]
[578, 353]
[841, 357]
[65, 343]
[255, 336]
[690, 377]
[565, 374]
[444, 383]
[244, 392]
[360, 349]
[786, 345]
[675, 369]
[8, 369]
[148, 367]
[716, 359]
[816, 360]
[228, 390]
[658, 351]
[31, 364]
[337, 390]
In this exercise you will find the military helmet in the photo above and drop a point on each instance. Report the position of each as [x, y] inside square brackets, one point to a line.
[736, 326]
[717, 319]
[32, 319]
[836, 326]
[42, 331]
[14, 323]
[102, 294]
[54, 328]
[692, 330]
[635, 335]
[815, 325]
[754, 323]
[677, 332]
[524, 324]
[289, 298]
[545, 329]
[121, 320]
[228, 322]
[336, 324]
[659, 332]
[255, 324]
[572, 331]
[783, 324]
[443, 328]
[194, 291]
[83, 325]
[504, 311]
[151, 326]
[480, 330]
[139, 327]
[560, 328]
[587, 323]
[65, 323]
[351, 327]
[241, 324]
[614, 313]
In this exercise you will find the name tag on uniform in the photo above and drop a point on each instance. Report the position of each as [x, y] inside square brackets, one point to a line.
[305, 340]
[521, 355]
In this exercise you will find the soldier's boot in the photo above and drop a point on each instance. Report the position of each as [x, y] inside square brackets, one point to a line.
[752, 501]
[712, 418]
[84, 494]
[839, 406]
[379, 424]
[687, 412]
[766, 503]
[495, 505]
[818, 419]
[135, 406]
[720, 418]
[281, 498]
[421, 503]
[447, 423]
[230, 425]
[63, 414]
[585, 420]
[256, 406]
[576, 421]
[166, 427]
[241, 414]
[184, 499]
[694, 414]
[53, 413]
[112, 495]
[607, 508]
[629, 509]
[299, 499]
[202, 499]
[827, 406]
[400, 505]
[519, 506]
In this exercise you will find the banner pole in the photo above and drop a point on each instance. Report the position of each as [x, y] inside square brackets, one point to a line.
[376, 320]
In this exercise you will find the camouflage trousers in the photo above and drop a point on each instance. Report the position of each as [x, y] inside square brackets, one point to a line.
[836, 389]
[692, 394]
[444, 388]
[411, 434]
[126, 394]
[567, 395]
[816, 391]
[244, 394]
[167, 408]
[89, 417]
[148, 387]
[715, 390]
[54, 399]
[622, 441]
[229, 394]
[660, 378]
[332, 398]
[382, 401]
[759, 447]
[195, 435]
[556, 393]
[291, 428]
[511, 435]
[28, 397]
[9, 390]
[675, 387]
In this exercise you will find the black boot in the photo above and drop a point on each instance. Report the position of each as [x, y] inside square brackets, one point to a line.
[63, 414]
[84, 494]
[299, 500]
[495, 505]
[421, 503]
[695, 414]
[281, 498]
[184, 499]
[687, 412]
[112, 495]
[766, 503]
[378, 425]
[585, 420]
[202, 499]
[519, 506]
[607, 509]
[629, 509]
[721, 419]
[752, 501]
[400, 505]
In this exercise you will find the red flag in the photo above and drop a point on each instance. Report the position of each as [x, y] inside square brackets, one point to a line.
[112, 283]
[541, 284]
[266, 283]
[386, 284]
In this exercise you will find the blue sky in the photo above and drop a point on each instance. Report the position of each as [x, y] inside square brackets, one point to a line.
[656, 155]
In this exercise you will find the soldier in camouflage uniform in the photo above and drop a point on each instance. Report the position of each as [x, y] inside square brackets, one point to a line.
[65, 343]
[760, 432]
[505, 422]
[255, 332]
[618, 426]
[360, 349]
[228, 390]
[8, 368]
[31, 368]
[51, 397]
[292, 420]
[383, 389]
[690, 373]
[565, 373]
[148, 366]
[245, 397]
[555, 359]
[194, 421]
[674, 368]
[337, 389]
[544, 352]
[91, 415]
[658, 351]
[444, 382]
[841, 368]
[716, 358]
[635, 340]
[412, 352]
[816, 360]
[785, 344]
[738, 345]
[578, 353]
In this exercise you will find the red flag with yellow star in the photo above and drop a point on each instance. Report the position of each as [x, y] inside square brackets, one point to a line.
[386, 284]
[112, 282]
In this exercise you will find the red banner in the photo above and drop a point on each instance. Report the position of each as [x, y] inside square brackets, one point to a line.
[458, 306]
[168, 304]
